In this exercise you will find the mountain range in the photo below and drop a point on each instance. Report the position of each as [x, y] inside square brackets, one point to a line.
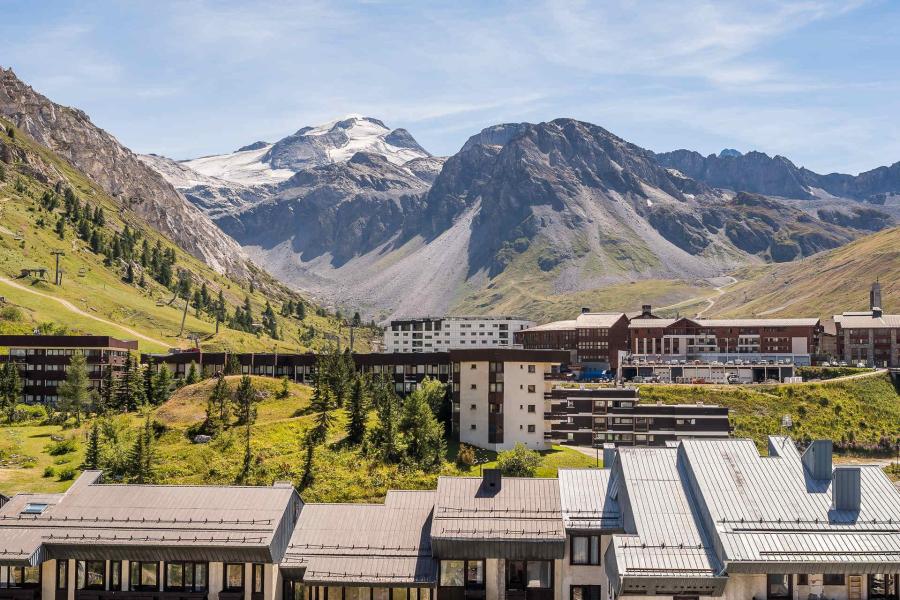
[523, 216]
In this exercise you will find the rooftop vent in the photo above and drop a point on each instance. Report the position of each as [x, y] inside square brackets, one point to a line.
[846, 489]
[585, 310]
[817, 459]
[491, 479]
[645, 311]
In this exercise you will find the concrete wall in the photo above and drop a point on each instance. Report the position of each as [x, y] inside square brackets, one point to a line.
[473, 373]
[568, 574]
[516, 399]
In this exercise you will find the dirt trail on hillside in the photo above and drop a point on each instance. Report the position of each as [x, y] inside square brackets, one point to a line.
[69, 306]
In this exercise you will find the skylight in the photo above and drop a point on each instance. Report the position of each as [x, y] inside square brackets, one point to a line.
[34, 508]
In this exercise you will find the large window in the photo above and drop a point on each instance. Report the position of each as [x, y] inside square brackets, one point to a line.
[186, 576]
[115, 575]
[143, 576]
[833, 579]
[585, 592]
[90, 574]
[585, 550]
[22, 577]
[531, 574]
[462, 573]
[62, 575]
[778, 587]
[258, 578]
[883, 587]
[234, 577]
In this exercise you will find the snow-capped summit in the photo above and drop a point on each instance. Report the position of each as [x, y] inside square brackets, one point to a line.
[333, 142]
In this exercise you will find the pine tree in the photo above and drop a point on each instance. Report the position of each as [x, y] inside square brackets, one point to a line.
[149, 384]
[218, 408]
[285, 391]
[244, 401]
[193, 376]
[301, 311]
[232, 365]
[129, 274]
[422, 433]
[309, 452]
[384, 437]
[320, 403]
[247, 464]
[357, 319]
[356, 407]
[107, 390]
[137, 458]
[10, 390]
[92, 453]
[61, 228]
[73, 392]
[162, 385]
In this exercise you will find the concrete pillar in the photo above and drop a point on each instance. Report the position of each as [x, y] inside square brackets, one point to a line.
[272, 587]
[48, 579]
[494, 584]
[248, 580]
[70, 592]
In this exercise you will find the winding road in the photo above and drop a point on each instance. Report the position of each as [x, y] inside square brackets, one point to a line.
[71, 307]
[710, 300]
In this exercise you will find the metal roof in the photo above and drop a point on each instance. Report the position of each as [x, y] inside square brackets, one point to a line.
[586, 502]
[598, 319]
[192, 521]
[866, 321]
[361, 544]
[520, 518]
[663, 323]
[568, 325]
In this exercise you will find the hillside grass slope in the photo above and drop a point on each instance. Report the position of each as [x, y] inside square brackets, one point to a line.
[97, 299]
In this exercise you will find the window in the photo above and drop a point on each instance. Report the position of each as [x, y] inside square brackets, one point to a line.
[802, 579]
[452, 573]
[532, 574]
[115, 575]
[585, 592]
[34, 508]
[531, 368]
[473, 366]
[144, 576]
[62, 575]
[585, 550]
[531, 408]
[531, 429]
[472, 426]
[258, 578]
[474, 573]
[22, 577]
[473, 406]
[90, 574]
[833, 579]
[531, 389]
[778, 587]
[234, 577]
[186, 576]
[882, 586]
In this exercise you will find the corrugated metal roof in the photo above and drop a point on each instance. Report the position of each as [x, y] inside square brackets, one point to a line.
[866, 321]
[586, 502]
[154, 515]
[520, 519]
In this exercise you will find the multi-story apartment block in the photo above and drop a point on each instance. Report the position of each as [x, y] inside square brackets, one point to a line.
[594, 416]
[43, 360]
[440, 334]
[693, 519]
[593, 339]
[870, 337]
[498, 396]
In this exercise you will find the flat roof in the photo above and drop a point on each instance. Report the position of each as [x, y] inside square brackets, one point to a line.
[66, 341]
[663, 323]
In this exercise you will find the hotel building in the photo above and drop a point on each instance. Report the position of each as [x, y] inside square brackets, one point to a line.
[440, 334]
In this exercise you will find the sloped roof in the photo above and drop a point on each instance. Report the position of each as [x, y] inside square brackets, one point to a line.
[865, 320]
[662, 323]
[555, 326]
[386, 543]
[211, 519]
[520, 519]
[586, 502]
[606, 319]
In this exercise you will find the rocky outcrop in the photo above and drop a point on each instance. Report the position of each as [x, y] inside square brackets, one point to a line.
[71, 134]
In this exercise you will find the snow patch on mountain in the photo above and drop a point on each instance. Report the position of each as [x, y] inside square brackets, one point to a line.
[245, 167]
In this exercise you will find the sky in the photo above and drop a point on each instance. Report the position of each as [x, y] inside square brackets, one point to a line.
[817, 81]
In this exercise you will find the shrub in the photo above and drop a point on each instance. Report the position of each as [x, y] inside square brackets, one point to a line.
[11, 313]
[62, 447]
[66, 474]
[465, 457]
[519, 462]
[48, 471]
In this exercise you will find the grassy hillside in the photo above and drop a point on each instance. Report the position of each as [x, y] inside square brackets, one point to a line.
[343, 474]
[95, 297]
[822, 285]
[864, 410]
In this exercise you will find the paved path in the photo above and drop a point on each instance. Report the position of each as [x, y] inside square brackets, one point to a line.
[710, 300]
[71, 307]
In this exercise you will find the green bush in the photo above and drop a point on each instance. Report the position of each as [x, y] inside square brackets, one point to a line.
[12, 314]
[465, 457]
[49, 471]
[519, 462]
[67, 474]
[62, 447]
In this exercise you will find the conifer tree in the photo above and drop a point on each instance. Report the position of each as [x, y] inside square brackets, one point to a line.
[384, 437]
[193, 376]
[107, 390]
[422, 433]
[232, 365]
[321, 404]
[356, 407]
[162, 385]
[301, 311]
[73, 392]
[244, 401]
[92, 453]
[149, 385]
[218, 407]
[10, 390]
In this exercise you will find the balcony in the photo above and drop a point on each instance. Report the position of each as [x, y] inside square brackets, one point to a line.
[150, 595]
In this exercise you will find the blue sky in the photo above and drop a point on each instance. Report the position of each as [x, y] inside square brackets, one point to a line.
[816, 80]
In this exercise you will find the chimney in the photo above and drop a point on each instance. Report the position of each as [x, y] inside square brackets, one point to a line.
[846, 491]
[585, 310]
[491, 479]
[609, 455]
[875, 299]
[646, 313]
[817, 459]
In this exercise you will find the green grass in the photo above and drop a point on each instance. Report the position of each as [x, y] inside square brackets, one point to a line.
[99, 290]
[24, 457]
[343, 474]
[866, 409]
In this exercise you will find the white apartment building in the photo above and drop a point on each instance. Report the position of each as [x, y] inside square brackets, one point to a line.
[440, 334]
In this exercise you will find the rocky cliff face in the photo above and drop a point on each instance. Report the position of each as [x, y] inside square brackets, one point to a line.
[70, 133]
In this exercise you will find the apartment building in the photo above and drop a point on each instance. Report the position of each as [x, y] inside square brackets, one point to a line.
[43, 360]
[498, 396]
[693, 519]
[440, 334]
[594, 416]
[592, 339]
[870, 337]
